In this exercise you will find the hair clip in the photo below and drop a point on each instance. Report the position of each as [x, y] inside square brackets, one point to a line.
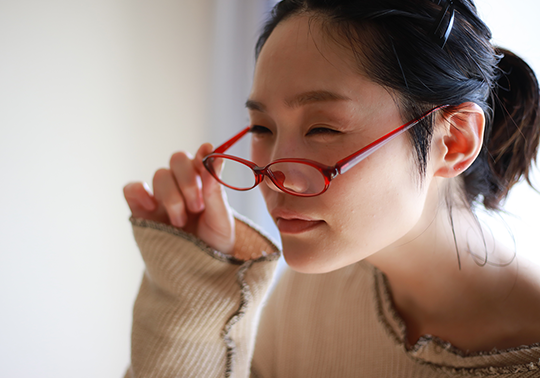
[444, 23]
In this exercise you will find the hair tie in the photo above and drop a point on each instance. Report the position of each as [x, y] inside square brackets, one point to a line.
[444, 23]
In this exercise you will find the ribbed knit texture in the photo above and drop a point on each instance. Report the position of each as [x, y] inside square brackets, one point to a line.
[197, 315]
[197, 309]
[343, 324]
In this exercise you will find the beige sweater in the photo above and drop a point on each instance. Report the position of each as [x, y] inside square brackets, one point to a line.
[198, 314]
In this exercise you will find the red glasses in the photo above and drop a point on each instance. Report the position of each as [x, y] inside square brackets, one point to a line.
[299, 177]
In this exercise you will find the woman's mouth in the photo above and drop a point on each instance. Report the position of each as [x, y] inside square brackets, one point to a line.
[297, 226]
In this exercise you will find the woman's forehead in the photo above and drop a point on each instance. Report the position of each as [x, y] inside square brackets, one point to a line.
[298, 58]
[303, 37]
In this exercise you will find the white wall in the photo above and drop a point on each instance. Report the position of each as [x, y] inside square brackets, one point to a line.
[94, 94]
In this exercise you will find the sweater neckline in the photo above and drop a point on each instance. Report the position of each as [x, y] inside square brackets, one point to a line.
[441, 354]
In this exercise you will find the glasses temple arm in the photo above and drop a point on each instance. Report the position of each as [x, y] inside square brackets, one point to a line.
[351, 161]
[344, 165]
[225, 146]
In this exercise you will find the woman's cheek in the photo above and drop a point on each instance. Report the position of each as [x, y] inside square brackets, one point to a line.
[374, 204]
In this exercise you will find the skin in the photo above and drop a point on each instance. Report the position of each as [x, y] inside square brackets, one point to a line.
[378, 210]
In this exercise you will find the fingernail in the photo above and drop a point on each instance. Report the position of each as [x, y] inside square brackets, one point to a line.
[147, 202]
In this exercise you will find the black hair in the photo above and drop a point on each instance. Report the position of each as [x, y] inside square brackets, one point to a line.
[394, 45]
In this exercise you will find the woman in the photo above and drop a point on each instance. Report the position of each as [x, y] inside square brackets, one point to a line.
[401, 281]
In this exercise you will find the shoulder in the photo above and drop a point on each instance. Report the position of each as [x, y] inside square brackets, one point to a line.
[507, 314]
[520, 311]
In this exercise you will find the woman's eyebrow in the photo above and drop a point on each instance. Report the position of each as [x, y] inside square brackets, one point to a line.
[301, 99]
[255, 105]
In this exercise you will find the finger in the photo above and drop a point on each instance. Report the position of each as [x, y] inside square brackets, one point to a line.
[188, 181]
[216, 225]
[213, 193]
[168, 196]
[139, 199]
[210, 184]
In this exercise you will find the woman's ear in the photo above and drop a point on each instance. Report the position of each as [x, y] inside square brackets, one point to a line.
[458, 139]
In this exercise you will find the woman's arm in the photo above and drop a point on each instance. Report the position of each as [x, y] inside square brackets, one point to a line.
[197, 310]
[206, 274]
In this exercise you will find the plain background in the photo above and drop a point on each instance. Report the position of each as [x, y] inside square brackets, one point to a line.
[97, 93]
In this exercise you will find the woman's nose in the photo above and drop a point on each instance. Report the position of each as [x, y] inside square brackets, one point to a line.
[271, 185]
[288, 178]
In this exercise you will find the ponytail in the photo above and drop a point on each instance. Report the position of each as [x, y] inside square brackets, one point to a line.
[512, 138]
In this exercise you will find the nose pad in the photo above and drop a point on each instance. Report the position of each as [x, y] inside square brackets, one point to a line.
[271, 185]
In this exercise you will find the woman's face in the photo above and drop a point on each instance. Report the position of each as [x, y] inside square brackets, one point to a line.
[310, 102]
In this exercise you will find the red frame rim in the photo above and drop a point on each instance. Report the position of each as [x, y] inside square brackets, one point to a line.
[327, 172]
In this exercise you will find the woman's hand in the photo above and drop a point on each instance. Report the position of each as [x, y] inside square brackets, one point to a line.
[188, 197]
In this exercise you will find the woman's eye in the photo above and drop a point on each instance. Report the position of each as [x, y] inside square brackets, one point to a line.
[322, 131]
[260, 130]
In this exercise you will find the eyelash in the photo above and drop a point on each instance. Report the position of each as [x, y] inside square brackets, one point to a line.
[322, 130]
[257, 129]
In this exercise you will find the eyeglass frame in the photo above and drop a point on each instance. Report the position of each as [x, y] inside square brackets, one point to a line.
[328, 172]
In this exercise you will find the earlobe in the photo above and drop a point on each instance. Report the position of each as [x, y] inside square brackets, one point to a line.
[459, 137]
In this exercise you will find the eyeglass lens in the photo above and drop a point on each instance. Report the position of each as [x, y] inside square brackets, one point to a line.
[291, 177]
[297, 177]
[234, 174]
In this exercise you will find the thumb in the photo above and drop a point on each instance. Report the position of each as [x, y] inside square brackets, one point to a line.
[216, 224]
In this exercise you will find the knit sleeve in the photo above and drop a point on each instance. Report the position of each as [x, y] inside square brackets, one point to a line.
[197, 310]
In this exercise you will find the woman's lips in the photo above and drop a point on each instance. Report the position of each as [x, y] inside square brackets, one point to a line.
[297, 226]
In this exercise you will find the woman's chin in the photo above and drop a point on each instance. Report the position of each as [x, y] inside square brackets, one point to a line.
[306, 256]
[310, 260]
